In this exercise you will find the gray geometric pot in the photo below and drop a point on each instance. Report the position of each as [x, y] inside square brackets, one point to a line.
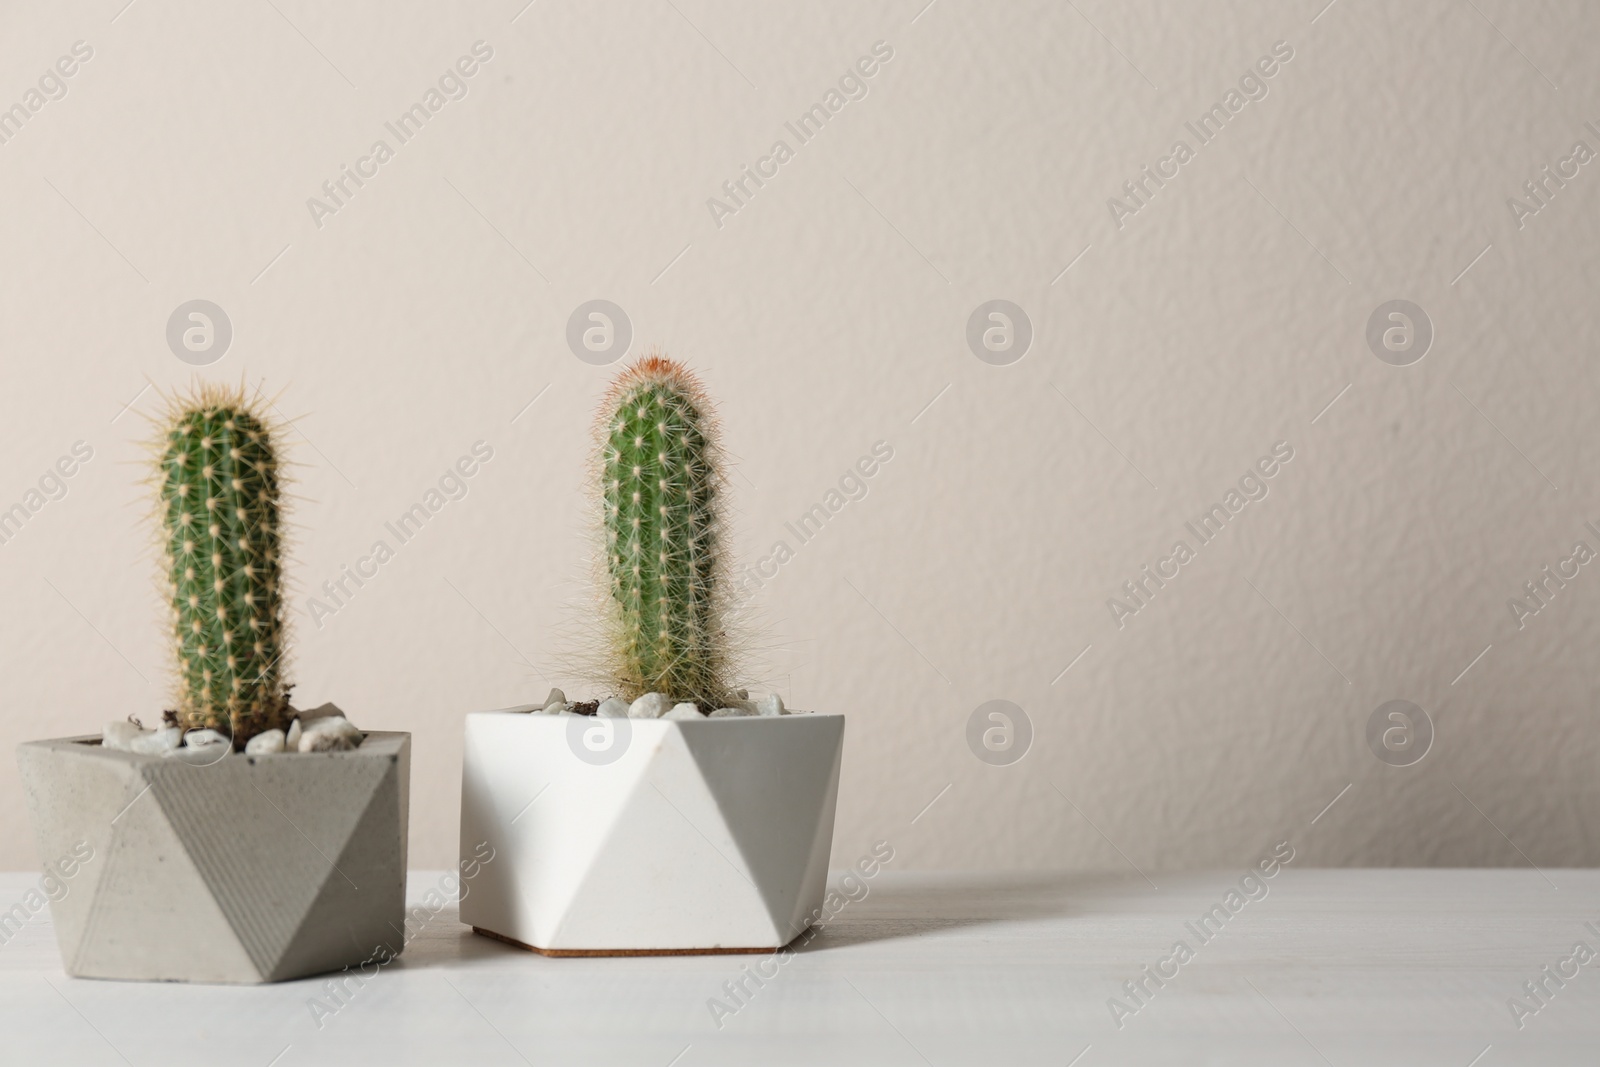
[247, 869]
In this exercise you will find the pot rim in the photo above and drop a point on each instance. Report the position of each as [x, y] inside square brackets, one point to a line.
[375, 744]
[531, 711]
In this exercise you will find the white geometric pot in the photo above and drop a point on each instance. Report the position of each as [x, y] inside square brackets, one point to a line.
[248, 869]
[648, 836]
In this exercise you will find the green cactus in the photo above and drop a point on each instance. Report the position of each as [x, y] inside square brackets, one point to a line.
[218, 479]
[661, 474]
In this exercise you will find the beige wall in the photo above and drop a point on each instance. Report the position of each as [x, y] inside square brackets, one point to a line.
[1193, 335]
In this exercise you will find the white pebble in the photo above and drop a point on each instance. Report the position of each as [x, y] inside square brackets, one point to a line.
[558, 698]
[650, 706]
[771, 704]
[121, 735]
[612, 708]
[335, 723]
[292, 741]
[327, 741]
[265, 743]
[203, 738]
[732, 713]
[555, 707]
[684, 713]
[332, 733]
[157, 742]
[330, 710]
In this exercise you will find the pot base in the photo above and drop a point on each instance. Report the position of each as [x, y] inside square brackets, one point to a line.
[557, 953]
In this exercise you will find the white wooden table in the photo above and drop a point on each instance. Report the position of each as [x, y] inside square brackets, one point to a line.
[1359, 968]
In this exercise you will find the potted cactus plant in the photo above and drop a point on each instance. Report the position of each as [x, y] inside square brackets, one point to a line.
[676, 815]
[240, 841]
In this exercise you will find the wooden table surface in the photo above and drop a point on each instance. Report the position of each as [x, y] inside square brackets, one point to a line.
[1343, 967]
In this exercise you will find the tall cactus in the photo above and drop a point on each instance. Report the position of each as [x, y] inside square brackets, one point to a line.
[661, 473]
[222, 531]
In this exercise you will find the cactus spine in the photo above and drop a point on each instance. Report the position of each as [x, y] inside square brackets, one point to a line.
[661, 474]
[221, 527]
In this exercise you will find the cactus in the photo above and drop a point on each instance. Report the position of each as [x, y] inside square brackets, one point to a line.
[218, 481]
[661, 475]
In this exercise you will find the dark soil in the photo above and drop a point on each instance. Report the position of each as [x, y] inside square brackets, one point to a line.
[588, 707]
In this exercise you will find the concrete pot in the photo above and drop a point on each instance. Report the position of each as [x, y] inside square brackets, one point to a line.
[247, 869]
[645, 836]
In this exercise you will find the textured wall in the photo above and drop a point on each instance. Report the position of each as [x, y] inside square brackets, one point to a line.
[1179, 338]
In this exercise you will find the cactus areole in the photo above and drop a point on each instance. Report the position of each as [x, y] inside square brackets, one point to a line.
[221, 529]
[661, 476]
